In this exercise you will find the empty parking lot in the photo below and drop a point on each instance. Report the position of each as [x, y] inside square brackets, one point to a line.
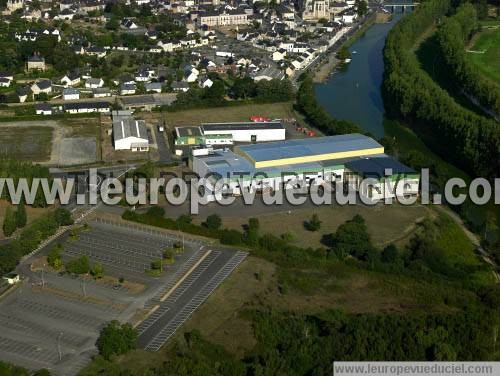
[52, 321]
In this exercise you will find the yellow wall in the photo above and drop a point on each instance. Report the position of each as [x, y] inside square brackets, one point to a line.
[319, 157]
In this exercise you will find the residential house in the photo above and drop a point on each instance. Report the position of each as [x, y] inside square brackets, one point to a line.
[71, 79]
[86, 107]
[179, 86]
[190, 73]
[127, 89]
[128, 24]
[42, 86]
[101, 92]
[153, 87]
[23, 93]
[4, 82]
[43, 109]
[35, 62]
[70, 93]
[94, 83]
[205, 82]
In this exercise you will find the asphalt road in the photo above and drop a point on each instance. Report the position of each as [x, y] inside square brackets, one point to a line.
[181, 297]
[163, 150]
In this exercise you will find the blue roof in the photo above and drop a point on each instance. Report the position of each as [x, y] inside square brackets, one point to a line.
[375, 167]
[308, 146]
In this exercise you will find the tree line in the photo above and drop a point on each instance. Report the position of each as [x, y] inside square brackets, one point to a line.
[237, 90]
[316, 115]
[15, 169]
[453, 34]
[31, 237]
[457, 134]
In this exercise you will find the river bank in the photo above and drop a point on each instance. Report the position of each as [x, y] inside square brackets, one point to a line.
[329, 62]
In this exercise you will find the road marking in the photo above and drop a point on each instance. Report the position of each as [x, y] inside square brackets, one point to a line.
[164, 297]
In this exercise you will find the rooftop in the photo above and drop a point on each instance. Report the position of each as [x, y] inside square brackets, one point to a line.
[343, 146]
[187, 131]
[375, 167]
[129, 127]
[241, 126]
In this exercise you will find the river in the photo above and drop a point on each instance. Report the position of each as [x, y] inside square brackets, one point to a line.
[353, 93]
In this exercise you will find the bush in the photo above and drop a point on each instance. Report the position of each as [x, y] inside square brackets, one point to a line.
[97, 270]
[230, 237]
[54, 257]
[314, 224]
[213, 222]
[80, 265]
[63, 217]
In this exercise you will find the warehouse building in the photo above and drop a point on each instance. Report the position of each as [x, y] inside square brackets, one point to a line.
[130, 134]
[190, 136]
[247, 131]
[277, 165]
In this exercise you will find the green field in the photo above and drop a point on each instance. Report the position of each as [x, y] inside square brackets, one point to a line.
[382, 230]
[487, 55]
[231, 113]
[26, 142]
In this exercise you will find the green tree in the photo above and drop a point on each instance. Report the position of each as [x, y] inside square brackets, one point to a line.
[157, 265]
[9, 222]
[80, 265]
[390, 254]
[116, 339]
[352, 238]
[252, 232]
[21, 216]
[362, 7]
[54, 257]
[213, 222]
[63, 217]
[343, 53]
[97, 270]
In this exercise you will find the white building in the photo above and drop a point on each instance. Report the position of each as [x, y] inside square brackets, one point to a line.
[130, 134]
[275, 166]
[247, 131]
[70, 93]
[94, 83]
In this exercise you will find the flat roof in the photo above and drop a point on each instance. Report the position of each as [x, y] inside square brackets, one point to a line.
[187, 131]
[139, 100]
[309, 147]
[241, 126]
[230, 165]
[375, 167]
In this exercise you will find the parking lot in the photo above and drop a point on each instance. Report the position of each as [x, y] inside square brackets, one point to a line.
[52, 320]
[177, 305]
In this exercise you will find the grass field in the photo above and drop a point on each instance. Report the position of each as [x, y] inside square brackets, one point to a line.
[385, 223]
[81, 127]
[233, 113]
[26, 143]
[488, 62]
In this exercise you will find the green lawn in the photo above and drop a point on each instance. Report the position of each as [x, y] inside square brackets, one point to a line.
[26, 143]
[487, 62]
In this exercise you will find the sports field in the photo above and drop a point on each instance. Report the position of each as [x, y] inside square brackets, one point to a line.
[484, 52]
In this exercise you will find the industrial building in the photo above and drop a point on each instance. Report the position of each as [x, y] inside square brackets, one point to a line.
[130, 134]
[212, 134]
[272, 166]
[190, 136]
[247, 131]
